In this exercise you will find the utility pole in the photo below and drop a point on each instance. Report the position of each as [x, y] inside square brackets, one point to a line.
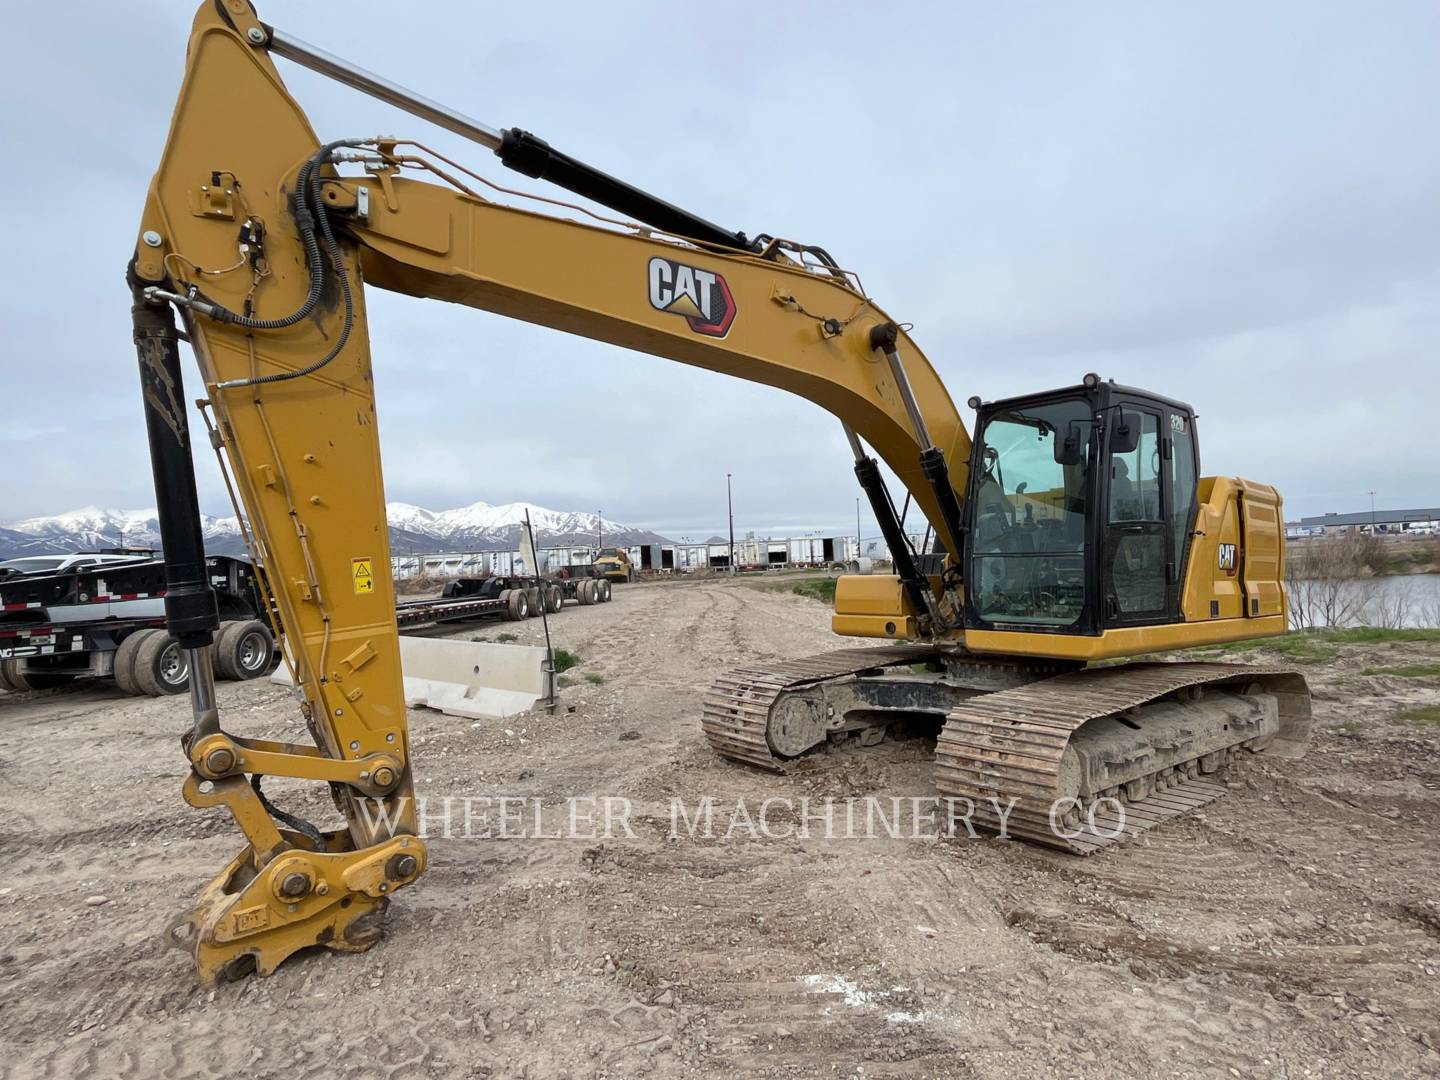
[600, 526]
[1372, 513]
[730, 510]
[857, 527]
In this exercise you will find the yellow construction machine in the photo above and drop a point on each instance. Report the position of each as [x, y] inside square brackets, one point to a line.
[1075, 528]
[614, 564]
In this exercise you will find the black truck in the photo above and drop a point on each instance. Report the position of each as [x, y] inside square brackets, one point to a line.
[108, 620]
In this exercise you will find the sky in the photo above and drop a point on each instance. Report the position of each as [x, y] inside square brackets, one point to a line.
[1229, 203]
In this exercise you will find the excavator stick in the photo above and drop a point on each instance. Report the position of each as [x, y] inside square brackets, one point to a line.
[302, 447]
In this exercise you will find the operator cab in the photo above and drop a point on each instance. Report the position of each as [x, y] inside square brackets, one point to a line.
[1080, 510]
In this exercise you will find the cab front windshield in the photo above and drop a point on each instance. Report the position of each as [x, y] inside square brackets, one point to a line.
[1027, 550]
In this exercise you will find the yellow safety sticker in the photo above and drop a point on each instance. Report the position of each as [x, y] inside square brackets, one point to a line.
[363, 574]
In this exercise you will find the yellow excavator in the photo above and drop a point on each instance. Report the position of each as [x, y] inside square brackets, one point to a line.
[1076, 528]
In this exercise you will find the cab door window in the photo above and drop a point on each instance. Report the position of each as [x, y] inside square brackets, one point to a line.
[1027, 547]
[1184, 468]
[1137, 549]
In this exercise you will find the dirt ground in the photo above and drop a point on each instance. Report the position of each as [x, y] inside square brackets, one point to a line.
[1292, 930]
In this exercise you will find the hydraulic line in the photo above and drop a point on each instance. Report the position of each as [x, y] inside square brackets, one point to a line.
[932, 461]
[307, 218]
[867, 471]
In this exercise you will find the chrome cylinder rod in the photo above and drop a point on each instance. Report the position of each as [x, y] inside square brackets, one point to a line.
[519, 150]
[204, 715]
[854, 440]
[202, 679]
[318, 60]
[907, 395]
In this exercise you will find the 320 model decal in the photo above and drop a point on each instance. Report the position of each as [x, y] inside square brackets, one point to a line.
[701, 296]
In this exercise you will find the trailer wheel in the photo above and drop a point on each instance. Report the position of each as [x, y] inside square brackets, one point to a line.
[553, 599]
[517, 605]
[124, 665]
[602, 589]
[5, 683]
[535, 600]
[33, 680]
[161, 666]
[587, 591]
[243, 650]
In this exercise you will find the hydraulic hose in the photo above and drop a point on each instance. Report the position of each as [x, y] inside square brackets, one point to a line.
[310, 213]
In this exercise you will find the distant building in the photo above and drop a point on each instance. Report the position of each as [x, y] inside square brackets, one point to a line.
[1418, 522]
[713, 554]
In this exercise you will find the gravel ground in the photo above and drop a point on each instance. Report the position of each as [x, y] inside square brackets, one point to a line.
[1290, 930]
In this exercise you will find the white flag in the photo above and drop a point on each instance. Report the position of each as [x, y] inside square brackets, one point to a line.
[527, 548]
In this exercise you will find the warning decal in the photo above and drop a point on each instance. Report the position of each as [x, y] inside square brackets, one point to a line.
[363, 574]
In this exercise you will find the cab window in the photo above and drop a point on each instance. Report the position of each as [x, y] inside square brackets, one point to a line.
[1027, 549]
[1135, 476]
[1184, 468]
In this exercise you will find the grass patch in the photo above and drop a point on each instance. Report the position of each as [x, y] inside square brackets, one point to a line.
[1429, 716]
[810, 586]
[1371, 635]
[564, 681]
[506, 637]
[1318, 646]
[1406, 671]
[1407, 558]
[1302, 648]
[565, 660]
[816, 589]
[593, 678]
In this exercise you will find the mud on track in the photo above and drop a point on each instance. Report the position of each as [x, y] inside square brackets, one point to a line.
[1290, 930]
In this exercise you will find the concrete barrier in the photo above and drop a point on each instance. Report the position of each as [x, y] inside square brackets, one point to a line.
[479, 680]
[475, 679]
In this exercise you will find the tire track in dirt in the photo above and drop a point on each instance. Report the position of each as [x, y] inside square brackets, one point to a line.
[789, 957]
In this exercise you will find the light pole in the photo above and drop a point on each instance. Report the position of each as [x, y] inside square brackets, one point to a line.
[730, 511]
[857, 527]
[600, 527]
[1372, 513]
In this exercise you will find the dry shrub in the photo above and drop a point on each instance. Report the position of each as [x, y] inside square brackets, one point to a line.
[421, 584]
[1321, 574]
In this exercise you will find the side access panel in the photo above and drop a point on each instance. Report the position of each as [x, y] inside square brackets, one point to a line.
[1262, 549]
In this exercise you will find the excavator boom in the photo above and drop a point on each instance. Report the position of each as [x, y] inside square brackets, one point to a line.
[253, 234]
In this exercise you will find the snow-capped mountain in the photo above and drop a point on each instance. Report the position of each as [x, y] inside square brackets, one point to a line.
[483, 527]
[483, 520]
[93, 527]
[413, 529]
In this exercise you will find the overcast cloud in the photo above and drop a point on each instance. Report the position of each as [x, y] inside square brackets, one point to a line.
[1229, 203]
